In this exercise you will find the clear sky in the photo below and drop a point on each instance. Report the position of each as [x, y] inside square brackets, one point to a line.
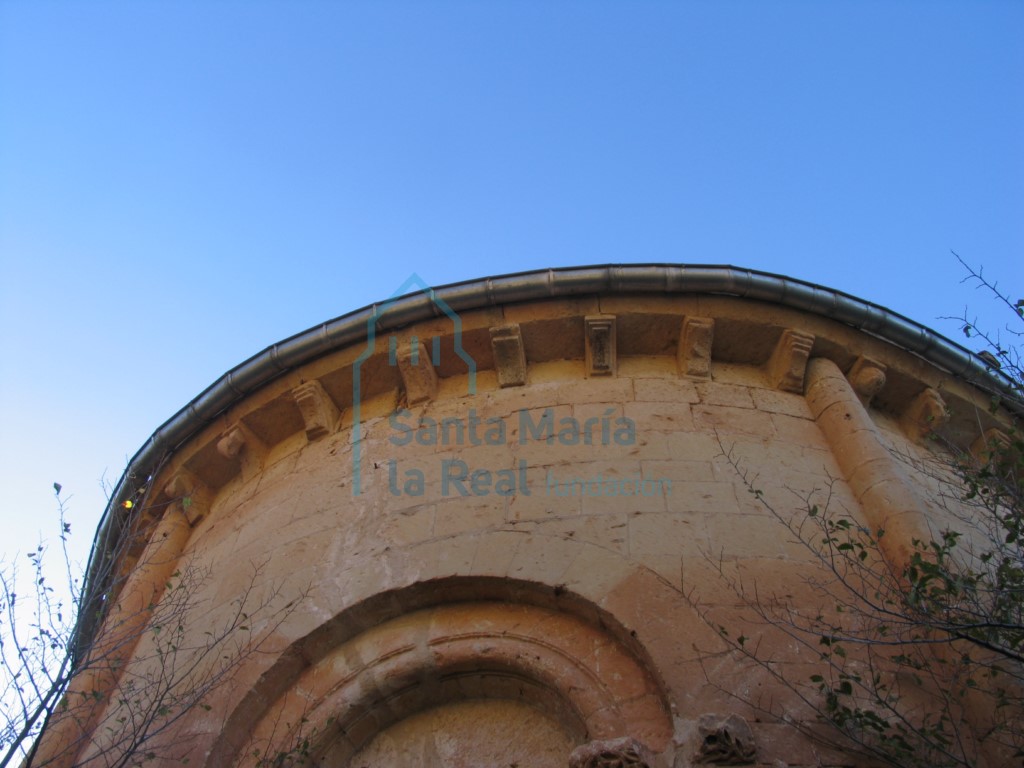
[184, 183]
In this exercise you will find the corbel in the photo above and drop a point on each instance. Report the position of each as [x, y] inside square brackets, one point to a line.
[189, 495]
[509, 356]
[725, 741]
[694, 353]
[319, 413]
[239, 443]
[788, 363]
[623, 751]
[926, 413]
[599, 340]
[990, 445]
[867, 377]
[418, 374]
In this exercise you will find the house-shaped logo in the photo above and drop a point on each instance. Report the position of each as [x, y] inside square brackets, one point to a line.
[420, 352]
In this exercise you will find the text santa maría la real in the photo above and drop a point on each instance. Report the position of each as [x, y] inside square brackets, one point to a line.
[458, 479]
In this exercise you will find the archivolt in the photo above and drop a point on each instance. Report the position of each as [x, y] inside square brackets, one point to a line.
[572, 669]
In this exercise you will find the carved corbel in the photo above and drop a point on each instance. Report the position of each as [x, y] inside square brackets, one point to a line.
[625, 752]
[725, 741]
[320, 414]
[924, 415]
[189, 495]
[694, 353]
[238, 443]
[989, 445]
[231, 443]
[418, 374]
[601, 355]
[867, 377]
[788, 362]
[509, 357]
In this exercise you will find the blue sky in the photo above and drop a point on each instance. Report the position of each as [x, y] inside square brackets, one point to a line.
[184, 183]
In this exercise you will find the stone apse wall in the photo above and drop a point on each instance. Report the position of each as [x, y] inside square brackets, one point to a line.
[498, 572]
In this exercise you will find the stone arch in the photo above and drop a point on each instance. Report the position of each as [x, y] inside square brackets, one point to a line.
[447, 642]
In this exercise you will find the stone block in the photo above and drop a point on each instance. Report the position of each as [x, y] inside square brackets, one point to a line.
[778, 401]
[623, 752]
[669, 416]
[665, 534]
[728, 420]
[600, 345]
[696, 339]
[319, 413]
[797, 430]
[665, 390]
[411, 525]
[418, 374]
[458, 515]
[725, 741]
[867, 377]
[509, 357]
[925, 414]
[717, 393]
[789, 360]
[496, 550]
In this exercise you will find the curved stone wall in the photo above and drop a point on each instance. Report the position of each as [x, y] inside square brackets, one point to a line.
[488, 534]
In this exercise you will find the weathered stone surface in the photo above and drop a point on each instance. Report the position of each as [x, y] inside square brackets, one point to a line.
[319, 412]
[695, 341]
[601, 345]
[232, 443]
[509, 357]
[725, 741]
[539, 572]
[989, 445]
[867, 377]
[418, 374]
[789, 360]
[925, 414]
[623, 752]
[188, 495]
